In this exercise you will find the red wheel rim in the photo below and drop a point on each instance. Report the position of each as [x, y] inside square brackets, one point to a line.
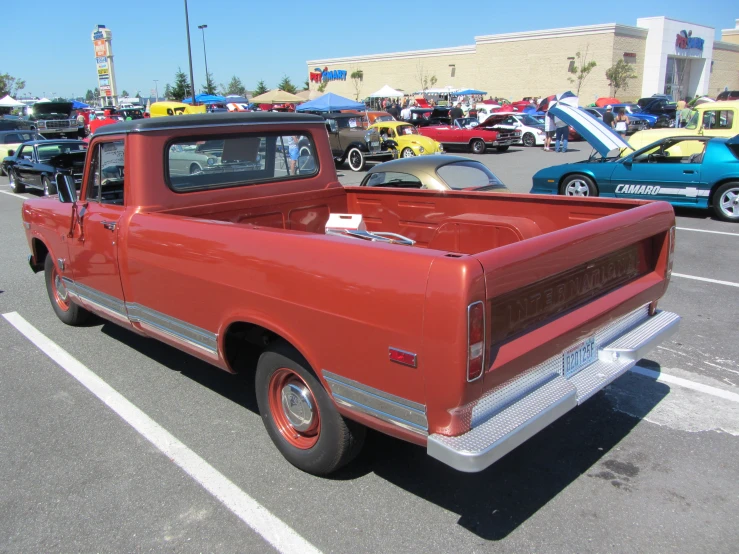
[294, 409]
[61, 296]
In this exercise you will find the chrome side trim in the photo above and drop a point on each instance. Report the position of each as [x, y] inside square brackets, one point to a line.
[374, 402]
[101, 300]
[176, 328]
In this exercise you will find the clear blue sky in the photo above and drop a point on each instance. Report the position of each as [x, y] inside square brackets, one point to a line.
[48, 43]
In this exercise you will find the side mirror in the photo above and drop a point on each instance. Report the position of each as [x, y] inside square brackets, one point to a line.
[628, 162]
[66, 189]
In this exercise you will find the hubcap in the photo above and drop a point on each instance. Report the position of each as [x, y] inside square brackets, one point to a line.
[294, 409]
[577, 188]
[60, 291]
[355, 159]
[297, 406]
[408, 153]
[729, 203]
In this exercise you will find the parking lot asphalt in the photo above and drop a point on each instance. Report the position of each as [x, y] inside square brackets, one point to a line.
[649, 464]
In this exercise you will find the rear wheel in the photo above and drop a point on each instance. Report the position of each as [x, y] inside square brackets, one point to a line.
[299, 415]
[49, 187]
[529, 140]
[502, 148]
[356, 160]
[726, 202]
[15, 186]
[66, 310]
[408, 152]
[578, 185]
[477, 146]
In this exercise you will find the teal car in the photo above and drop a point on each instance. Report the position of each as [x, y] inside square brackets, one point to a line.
[687, 171]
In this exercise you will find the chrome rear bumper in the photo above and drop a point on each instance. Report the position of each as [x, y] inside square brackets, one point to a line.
[513, 413]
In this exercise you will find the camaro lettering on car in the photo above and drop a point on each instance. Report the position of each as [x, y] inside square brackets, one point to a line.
[637, 189]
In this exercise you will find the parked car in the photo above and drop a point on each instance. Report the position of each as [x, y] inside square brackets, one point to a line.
[659, 106]
[713, 119]
[728, 95]
[373, 116]
[351, 142]
[475, 139]
[464, 322]
[11, 140]
[434, 173]
[438, 115]
[532, 129]
[653, 121]
[36, 163]
[409, 141]
[53, 119]
[636, 122]
[160, 109]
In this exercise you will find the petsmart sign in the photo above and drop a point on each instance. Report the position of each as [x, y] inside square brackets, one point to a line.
[686, 41]
[318, 75]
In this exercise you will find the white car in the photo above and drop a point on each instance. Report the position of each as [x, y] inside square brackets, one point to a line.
[485, 110]
[532, 129]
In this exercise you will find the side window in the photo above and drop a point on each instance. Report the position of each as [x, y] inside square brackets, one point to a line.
[718, 119]
[26, 153]
[106, 181]
[12, 138]
[393, 179]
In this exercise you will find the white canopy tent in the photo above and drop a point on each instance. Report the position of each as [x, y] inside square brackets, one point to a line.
[8, 102]
[387, 92]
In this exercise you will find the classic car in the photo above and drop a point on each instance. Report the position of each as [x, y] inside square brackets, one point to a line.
[16, 123]
[423, 117]
[687, 171]
[191, 159]
[434, 173]
[53, 119]
[131, 113]
[36, 163]
[419, 320]
[372, 116]
[160, 109]
[728, 95]
[476, 139]
[409, 141]
[659, 106]
[532, 129]
[353, 143]
[11, 140]
[653, 121]
[636, 122]
[713, 119]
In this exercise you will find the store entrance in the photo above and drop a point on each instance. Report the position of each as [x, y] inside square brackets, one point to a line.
[680, 82]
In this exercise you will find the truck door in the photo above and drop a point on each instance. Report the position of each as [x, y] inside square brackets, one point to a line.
[94, 246]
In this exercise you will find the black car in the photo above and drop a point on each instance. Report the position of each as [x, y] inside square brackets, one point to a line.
[352, 142]
[11, 140]
[37, 162]
[728, 95]
[423, 117]
[659, 106]
[15, 123]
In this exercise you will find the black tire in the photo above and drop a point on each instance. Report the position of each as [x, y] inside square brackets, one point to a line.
[195, 168]
[726, 202]
[529, 140]
[578, 185]
[338, 162]
[49, 187]
[502, 148]
[356, 160]
[15, 186]
[337, 440]
[66, 310]
[477, 146]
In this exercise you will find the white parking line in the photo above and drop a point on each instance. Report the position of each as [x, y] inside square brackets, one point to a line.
[707, 280]
[706, 231]
[270, 527]
[14, 195]
[686, 383]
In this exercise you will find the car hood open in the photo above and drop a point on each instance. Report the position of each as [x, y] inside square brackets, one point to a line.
[49, 108]
[605, 141]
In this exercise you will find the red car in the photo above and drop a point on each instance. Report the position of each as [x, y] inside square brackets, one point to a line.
[475, 138]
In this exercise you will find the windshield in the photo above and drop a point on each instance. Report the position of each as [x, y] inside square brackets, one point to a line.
[693, 123]
[406, 130]
[469, 174]
[352, 122]
[384, 118]
[528, 120]
[48, 151]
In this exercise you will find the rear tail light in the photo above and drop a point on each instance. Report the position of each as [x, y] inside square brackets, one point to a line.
[475, 340]
[670, 252]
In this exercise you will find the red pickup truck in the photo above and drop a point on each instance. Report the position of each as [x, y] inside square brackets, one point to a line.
[461, 321]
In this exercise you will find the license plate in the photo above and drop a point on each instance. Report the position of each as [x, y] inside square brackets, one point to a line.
[578, 356]
[375, 143]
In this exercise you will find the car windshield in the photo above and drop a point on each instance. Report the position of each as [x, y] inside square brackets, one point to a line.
[529, 120]
[469, 174]
[384, 118]
[406, 130]
[693, 123]
[48, 151]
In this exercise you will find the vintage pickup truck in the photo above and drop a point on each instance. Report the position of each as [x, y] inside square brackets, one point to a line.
[461, 321]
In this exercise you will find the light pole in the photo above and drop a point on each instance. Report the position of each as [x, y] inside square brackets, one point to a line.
[189, 55]
[207, 75]
[156, 88]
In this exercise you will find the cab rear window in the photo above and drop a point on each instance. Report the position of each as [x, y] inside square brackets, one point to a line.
[236, 160]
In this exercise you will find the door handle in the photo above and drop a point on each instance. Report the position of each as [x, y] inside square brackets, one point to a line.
[109, 225]
[688, 172]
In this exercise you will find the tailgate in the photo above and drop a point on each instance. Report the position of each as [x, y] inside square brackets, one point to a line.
[546, 293]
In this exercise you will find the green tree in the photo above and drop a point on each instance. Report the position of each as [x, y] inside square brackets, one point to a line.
[357, 76]
[425, 79]
[181, 88]
[89, 95]
[306, 85]
[10, 85]
[168, 92]
[619, 75]
[235, 86]
[261, 88]
[287, 85]
[580, 71]
[209, 87]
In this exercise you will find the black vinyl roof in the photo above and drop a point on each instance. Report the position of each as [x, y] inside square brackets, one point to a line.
[205, 120]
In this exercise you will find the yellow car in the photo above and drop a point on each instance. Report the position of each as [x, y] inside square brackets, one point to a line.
[713, 119]
[158, 109]
[410, 143]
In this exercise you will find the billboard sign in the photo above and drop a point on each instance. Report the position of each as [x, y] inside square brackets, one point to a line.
[100, 48]
[102, 72]
[103, 65]
[104, 82]
[101, 59]
[104, 87]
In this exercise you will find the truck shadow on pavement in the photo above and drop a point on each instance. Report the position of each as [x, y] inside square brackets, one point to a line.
[491, 504]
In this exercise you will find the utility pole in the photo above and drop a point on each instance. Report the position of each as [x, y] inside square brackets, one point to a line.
[156, 88]
[189, 54]
[205, 55]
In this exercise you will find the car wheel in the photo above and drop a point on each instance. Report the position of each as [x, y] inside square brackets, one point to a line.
[304, 151]
[502, 148]
[195, 168]
[477, 146]
[356, 159]
[66, 310]
[49, 187]
[578, 185]
[726, 202]
[15, 186]
[299, 415]
[408, 152]
[529, 140]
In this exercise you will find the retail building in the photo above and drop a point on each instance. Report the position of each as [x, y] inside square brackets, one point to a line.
[668, 56]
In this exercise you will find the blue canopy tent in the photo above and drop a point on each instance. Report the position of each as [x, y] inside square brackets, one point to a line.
[468, 91]
[330, 102]
[205, 99]
[76, 105]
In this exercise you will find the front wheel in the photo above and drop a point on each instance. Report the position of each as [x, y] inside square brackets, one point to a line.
[15, 186]
[502, 148]
[356, 159]
[299, 415]
[529, 140]
[49, 187]
[407, 152]
[66, 310]
[726, 202]
[578, 185]
[477, 146]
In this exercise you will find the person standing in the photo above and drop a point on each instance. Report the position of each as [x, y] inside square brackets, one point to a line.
[562, 135]
[622, 122]
[608, 116]
[405, 113]
[456, 112]
[685, 114]
[548, 132]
